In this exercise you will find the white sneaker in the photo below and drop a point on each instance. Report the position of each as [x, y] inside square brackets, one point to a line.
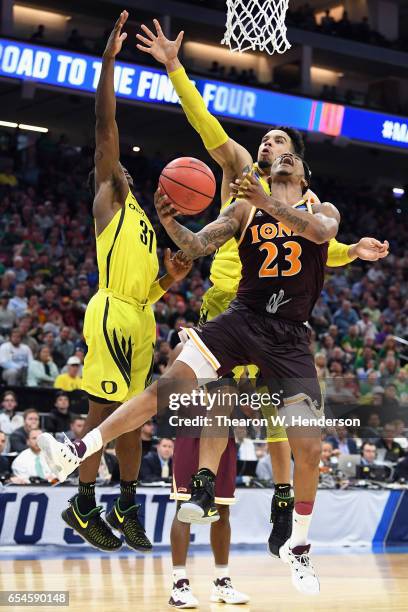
[182, 596]
[304, 577]
[224, 592]
[61, 457]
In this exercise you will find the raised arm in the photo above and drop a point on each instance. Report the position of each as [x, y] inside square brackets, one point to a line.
[111, 186]
[229, 223]
[231, 156]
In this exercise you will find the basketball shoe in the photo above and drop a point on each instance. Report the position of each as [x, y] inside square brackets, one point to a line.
[182, 596]
[281, 517]
[304, 577]
[224, 592]
[201, 507]
[128, 523]
[62, 458]
[91, 527]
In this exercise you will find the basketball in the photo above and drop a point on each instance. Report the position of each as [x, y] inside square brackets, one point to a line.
[189, 184]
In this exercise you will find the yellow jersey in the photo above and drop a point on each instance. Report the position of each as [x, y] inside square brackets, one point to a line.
[67, 383]
[127, 253]
[226, 267]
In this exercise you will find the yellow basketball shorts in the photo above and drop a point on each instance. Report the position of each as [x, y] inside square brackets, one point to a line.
[215, 302]
[120, 337]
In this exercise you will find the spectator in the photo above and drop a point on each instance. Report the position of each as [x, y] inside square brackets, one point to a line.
[342, 443]
[368, 453]
[344, 317]
[9, 419]
[38, 35]
[158, 466]
[70, 381]
[59, 418]
[8, 317]
[31, 462]
[366, 326]
[15, 358]
[327, 23]
[326, 454]
[387, 441]
[109, 467]
[4, 464]
[401, 434]
[18, 304]
[20, 273]
[146, 436]
[63, 346]
[42, 372]
[76, 427]
[19, 437]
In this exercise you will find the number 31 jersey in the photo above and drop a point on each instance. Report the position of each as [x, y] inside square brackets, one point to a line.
[282, 274]
[127, 253]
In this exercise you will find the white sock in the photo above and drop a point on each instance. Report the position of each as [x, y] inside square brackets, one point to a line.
[179, 572]
[221, 571]
[93, 442]
[300, 529]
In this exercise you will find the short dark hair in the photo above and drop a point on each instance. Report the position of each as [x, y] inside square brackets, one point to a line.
[30, 411]
[368, 443]
[295, 136]
[9, 392]
[77, 417]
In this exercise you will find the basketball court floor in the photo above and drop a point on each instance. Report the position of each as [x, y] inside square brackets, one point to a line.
[350, 579]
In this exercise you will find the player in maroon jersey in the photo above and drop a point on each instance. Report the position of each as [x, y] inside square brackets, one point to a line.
[283, 247]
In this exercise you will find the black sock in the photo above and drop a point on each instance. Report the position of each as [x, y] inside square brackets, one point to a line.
[206, 472]
[127, 494]
[86, 497]
[283, 491]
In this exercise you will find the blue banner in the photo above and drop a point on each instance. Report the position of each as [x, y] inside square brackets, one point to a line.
[76, 71]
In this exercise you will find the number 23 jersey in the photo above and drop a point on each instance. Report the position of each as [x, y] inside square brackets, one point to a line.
[282, 274]
[127, 253]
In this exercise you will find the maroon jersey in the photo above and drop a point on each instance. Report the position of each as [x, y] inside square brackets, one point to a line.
[282, 274]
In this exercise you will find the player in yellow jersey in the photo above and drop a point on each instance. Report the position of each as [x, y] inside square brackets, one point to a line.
[119, 326]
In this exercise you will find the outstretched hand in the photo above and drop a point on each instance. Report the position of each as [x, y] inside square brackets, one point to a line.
[370, 249]
[161, 48]
[116, 38]
[250, 189]
[178, 265]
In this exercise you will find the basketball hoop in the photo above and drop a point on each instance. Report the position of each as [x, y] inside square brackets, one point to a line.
[257, 25]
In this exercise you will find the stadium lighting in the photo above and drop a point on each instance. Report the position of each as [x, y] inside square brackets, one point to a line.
[136, 149]
[398, 192]
[32, 128]
[8, 124]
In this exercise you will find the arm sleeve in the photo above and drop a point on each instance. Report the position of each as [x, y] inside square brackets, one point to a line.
[338, 254]
[156, 292]
[211, 131]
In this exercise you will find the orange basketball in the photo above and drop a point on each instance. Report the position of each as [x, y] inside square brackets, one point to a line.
[189, 184]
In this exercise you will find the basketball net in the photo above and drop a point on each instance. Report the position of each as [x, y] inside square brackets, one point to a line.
[257, 25]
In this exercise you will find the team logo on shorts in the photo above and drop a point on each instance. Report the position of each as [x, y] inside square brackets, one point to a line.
[109, 386]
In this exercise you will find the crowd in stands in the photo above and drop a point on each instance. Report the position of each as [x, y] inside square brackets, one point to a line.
[48, 273]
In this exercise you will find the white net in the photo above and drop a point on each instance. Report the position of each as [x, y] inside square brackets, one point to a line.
[257, 25]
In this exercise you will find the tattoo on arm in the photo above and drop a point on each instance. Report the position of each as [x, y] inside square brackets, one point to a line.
[284, 213]
[208, 239]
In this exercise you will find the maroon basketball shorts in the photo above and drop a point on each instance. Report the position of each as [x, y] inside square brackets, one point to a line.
[279, 348]
[185, 464]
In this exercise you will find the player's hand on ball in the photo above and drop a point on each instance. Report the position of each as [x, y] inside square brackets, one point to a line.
[371, 249]
[178, 265]
[162, 49]
[249, 188]
[164, 208]
[115, 40]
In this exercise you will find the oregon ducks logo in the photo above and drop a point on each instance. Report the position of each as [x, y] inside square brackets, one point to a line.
[109, 386]
[282, 504]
